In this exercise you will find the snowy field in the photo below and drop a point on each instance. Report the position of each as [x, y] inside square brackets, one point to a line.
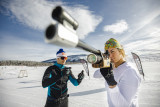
[28, 92]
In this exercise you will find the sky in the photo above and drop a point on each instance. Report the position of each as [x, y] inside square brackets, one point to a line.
[134, 23]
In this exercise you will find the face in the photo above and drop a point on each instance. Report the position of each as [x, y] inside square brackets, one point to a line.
[114, 55]
[61, 60]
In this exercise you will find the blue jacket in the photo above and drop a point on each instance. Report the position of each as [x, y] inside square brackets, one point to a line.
[55, 78]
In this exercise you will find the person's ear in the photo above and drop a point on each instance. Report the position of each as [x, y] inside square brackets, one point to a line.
[121, 52]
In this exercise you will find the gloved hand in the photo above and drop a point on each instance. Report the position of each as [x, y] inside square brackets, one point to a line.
[80, 77]
[66, 71]
[108, 75]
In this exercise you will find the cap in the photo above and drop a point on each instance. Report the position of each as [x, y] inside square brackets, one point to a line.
[112, 43]
[61, 53]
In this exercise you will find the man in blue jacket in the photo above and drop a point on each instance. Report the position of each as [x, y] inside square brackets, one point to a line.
[56, 78]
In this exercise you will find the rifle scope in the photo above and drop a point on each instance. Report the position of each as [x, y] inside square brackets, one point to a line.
[60, 15]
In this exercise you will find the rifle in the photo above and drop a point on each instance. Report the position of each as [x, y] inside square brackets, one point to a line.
[63, 33]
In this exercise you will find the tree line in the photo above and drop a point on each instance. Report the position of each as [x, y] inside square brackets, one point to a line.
[23, 63]
[28, 63]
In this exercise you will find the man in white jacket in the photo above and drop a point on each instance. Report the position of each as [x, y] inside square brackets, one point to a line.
[122, 80]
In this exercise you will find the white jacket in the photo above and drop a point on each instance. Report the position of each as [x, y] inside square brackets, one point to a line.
[125, 94]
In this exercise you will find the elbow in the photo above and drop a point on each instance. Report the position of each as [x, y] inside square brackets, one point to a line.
[76, 84]
[43, 85]
[95, 76]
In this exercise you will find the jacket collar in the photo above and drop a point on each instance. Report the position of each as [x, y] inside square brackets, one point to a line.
[59, 65]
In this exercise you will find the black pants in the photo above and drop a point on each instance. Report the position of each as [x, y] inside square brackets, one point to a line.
[62, 103]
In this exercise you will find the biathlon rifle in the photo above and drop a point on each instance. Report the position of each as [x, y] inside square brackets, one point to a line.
[63, 33]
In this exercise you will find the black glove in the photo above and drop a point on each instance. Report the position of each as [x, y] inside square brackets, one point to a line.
[66, 71]
[80, 77]
[108, 75]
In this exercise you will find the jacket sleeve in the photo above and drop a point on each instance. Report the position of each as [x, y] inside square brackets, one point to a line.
[125, 91]
[49, 77]
[73, 79]
[97, 74]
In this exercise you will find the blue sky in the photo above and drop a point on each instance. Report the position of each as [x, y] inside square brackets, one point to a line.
[134, 23]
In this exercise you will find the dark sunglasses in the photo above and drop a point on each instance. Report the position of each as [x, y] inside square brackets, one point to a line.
[64, 58]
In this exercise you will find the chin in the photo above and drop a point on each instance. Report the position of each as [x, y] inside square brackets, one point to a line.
[112, 61]
[64, 63]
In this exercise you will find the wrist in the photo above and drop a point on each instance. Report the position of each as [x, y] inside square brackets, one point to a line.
[112, 86]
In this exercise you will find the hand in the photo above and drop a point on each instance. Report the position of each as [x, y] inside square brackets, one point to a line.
[108, 75]
[80, 77]
[66, 71]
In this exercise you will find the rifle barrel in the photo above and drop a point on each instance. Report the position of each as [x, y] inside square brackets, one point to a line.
[88, 48]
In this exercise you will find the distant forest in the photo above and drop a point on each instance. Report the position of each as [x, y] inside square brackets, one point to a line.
[23, 63]
[27, 63]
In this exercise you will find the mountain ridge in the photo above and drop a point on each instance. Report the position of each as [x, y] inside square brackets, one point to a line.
[71, 58]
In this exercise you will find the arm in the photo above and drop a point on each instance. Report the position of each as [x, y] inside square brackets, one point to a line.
[125, 90]
[49, 77]
[97, 74]
[75, 81]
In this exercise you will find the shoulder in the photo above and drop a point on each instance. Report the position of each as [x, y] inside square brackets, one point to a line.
[52, 68]
[128, 69]
[131, 69]
[131, 73]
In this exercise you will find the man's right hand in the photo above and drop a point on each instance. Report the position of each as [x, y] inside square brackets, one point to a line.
[80, 77]
[66, 71]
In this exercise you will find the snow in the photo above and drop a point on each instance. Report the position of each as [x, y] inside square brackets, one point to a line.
[28, 92]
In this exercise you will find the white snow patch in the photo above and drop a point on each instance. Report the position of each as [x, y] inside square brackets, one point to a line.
[28, 92]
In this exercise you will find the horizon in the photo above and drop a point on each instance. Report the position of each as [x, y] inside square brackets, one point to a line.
[135, 24]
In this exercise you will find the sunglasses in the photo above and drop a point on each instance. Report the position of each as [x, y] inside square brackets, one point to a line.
[62, 58]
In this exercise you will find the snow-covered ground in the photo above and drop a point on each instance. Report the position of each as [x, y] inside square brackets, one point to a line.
[28, 92]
